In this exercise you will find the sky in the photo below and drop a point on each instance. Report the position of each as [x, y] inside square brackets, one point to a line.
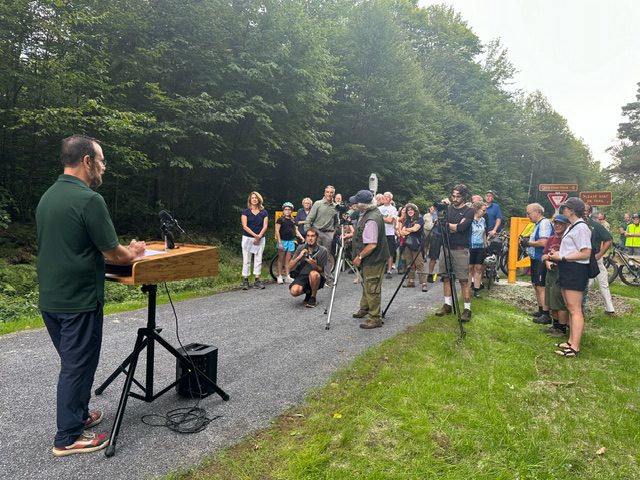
[583, 55]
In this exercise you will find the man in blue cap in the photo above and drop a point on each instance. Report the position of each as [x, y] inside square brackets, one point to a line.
[371, 252]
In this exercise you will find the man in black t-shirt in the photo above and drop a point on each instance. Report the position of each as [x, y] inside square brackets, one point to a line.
[307, 268]
[458, 220]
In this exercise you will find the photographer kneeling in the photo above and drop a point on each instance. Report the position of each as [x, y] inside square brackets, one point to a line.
[307, 268]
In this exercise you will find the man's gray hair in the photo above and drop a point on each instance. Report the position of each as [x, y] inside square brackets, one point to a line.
[536, 206]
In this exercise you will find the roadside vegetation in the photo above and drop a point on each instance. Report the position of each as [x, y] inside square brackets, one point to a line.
[498, 405]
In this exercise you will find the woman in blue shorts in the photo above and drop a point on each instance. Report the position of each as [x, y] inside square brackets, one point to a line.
[286, 233]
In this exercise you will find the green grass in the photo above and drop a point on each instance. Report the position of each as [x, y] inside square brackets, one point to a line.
[499, 405]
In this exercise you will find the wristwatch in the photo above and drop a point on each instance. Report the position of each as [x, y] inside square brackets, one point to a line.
[360, 257]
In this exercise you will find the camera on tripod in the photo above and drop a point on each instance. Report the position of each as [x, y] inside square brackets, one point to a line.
[441, 206]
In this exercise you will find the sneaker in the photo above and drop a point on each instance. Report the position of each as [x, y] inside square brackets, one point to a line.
[445, 310]
[95, 417]
[537, 313]
[245, 284]
[258, 284]
[85, 443]
[311, 302]
[430, 278]
[307, 296]
[369, 324]
[476, 293]
[288, 279]
[361, 314]
[409, 285]
[388, 275]
[425, 288]
[466, 315]
[543, 319]
[279, 280]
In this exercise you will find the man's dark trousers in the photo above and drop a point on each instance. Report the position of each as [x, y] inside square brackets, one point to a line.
[77, 338]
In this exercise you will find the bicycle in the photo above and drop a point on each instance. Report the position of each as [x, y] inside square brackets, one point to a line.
[627, 267]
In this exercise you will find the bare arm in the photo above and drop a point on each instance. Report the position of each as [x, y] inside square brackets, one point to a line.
[122, 255]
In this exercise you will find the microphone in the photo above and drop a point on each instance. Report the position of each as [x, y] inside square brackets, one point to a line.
[167, 219]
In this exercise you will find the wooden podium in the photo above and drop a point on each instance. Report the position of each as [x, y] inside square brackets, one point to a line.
[158, 266]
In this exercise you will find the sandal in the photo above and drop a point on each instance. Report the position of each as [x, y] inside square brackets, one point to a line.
[568, 352]
[563, 345]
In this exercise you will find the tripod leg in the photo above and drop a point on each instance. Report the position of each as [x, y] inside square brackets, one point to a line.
[140, 340]
[384, 312]
[335, 284]
[121, 369]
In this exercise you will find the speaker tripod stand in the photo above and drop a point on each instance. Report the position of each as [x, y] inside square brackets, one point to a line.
[146, 339]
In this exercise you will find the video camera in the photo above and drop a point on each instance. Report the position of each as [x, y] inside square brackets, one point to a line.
[342, 208]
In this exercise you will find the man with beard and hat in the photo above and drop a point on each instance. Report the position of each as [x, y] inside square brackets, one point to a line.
[371, 251]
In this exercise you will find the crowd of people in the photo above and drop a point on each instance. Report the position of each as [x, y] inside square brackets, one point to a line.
[566, 251]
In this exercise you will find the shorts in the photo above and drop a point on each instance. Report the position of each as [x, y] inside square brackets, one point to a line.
[434, 247]
[538, 272]
[552, 292]
[460, 261]
[302, 279]
[288, 245]
[573, 275]
[477, 255]
[391, 241]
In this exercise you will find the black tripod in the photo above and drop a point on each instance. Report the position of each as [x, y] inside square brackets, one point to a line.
[147, 338]
[338, 268]
[426, 242]
[448, 264]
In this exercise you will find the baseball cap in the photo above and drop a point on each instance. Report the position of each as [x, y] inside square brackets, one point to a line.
[560, 218]
[363, 196]
[491, 192]
[635, 215]
[575, 204]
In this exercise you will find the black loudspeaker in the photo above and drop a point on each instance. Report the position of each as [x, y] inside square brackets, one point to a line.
[205, 359]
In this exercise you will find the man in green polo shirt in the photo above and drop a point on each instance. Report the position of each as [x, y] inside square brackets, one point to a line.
[75, 235]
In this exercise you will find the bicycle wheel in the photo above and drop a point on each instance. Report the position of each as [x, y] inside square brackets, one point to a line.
[273, 267]
[504, 262]
[612, 268]
[629, 277]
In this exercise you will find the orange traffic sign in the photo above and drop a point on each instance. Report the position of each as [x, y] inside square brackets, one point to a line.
[558, 187]
[597, 199]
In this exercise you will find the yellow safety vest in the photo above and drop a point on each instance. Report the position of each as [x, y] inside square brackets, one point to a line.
[633, 241]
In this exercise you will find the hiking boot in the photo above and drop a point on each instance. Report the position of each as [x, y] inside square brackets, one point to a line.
[430, 278]
[361, 314]
[466, 315]
[369, 324]
[543, 319]
[307, 296]
[409, 285]
[95, 417]
[279, 280]
[311, 302]
[245, 284]
[536, 313]
[86, 442]
[388, 275]
[445, 310]
[258, 284]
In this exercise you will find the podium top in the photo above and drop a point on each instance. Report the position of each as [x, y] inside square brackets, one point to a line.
[160, 265]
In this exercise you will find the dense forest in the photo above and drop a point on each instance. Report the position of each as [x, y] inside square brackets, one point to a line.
[198, 102]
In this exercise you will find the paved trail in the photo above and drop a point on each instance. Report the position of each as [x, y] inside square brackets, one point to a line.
[272, 351]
